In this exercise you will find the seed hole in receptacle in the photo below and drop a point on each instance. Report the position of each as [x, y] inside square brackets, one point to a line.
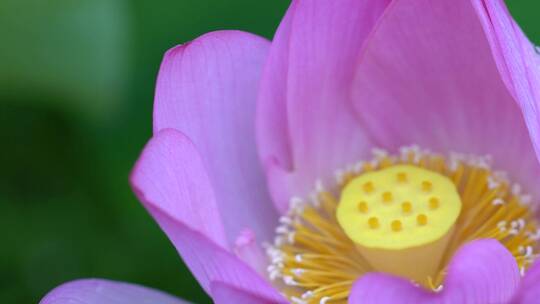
[363, 207]
[387, 197]
[433, 203]
[406, 207]
[401, 177]
[422, 219]
[368, 187]
[373, 222]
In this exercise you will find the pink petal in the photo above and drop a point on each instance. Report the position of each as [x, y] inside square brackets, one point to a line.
[170, 175]
[306, 128]
[207, 90]
[481, 272]
[376, 288]
[209, 262]
[249, 250]
[226, 294]
[427, 76]
[96, 291]
[529, 287]
[518, 61]
[273, 140]
[169, 179]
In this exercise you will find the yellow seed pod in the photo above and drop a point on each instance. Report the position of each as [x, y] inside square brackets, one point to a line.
[428, 207]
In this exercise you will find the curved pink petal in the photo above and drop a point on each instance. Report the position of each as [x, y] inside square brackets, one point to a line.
[518, 61]
[249, 250]
[226, 294]
[169, 179]
[427, 76]
[207, 90]
[170, 175]
[97, 291]
[272, 135]
[306, 127]
[481, 272]
[529, 287]
[209, 262]
[376, 288]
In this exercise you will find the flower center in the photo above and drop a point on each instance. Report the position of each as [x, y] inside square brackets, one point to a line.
[406, 215]
[399, 216]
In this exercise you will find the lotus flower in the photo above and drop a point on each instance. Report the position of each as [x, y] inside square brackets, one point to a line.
[357, 158]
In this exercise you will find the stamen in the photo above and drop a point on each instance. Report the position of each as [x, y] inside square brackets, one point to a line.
[318, 261]
[396, 243]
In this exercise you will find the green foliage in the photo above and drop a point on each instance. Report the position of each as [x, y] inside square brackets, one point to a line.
[76, 91]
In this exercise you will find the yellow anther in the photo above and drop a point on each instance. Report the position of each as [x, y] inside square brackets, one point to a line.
[367, 167]
[427, 186]
[414, 237]
[363, 207]
[396, 225]
[387, 197]
[373, 223]
[433, 203]
[406, 207]
[401, 177]
[368, 187]
[421, 219]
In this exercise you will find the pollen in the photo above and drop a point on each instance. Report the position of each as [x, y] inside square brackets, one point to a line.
[405, 214]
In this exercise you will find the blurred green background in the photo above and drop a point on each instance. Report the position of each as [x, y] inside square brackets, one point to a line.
[76, 89]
